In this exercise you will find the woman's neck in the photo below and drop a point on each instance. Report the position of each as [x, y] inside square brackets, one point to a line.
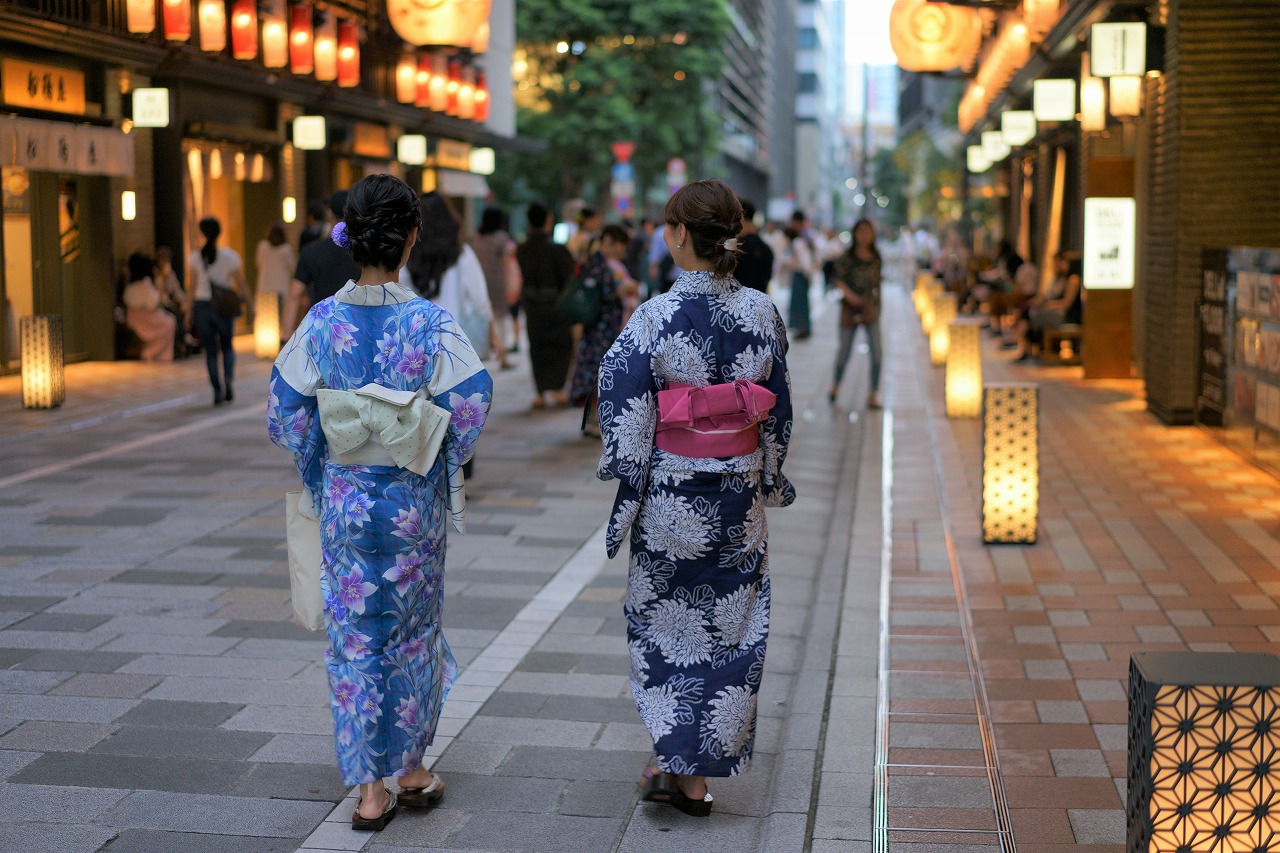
[376, 276]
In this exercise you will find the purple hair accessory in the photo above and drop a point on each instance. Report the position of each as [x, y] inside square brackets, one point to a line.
[340, 235]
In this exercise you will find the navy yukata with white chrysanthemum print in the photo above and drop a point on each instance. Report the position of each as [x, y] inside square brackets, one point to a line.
[382, 527]
[697, 602]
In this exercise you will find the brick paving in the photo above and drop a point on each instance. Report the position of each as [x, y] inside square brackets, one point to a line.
[155, 696]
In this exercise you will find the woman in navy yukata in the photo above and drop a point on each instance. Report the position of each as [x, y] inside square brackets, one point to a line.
[696, 469]
[381, 399]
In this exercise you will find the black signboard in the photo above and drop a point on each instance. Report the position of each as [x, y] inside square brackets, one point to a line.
[1212, 396]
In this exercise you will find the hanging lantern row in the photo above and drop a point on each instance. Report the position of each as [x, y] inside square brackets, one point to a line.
[290, 34]
[442, 84]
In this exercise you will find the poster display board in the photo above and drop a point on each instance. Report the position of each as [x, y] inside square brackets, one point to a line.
[1240, 327]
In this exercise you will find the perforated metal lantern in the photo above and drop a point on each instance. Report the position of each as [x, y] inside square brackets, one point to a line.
[964, 371]
[1204, 752]
[1010, 463]
[42, 359]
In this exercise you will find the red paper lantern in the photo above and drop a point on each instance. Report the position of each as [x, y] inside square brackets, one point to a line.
[438, 84]
[482, 97]
[301, 39]
[244, 29]
[348, 55]
[407, 79]
[424, 77]
[451, 87]
[177, 20]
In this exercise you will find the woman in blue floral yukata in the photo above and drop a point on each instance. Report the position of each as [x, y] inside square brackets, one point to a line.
[695, 413]
[381, 398]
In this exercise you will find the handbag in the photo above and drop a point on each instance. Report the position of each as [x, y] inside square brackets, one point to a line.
[302, 534]
[580, 302]
[225, 302]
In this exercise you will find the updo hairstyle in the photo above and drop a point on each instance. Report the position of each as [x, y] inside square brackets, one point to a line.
[712, 213]
[381, 213]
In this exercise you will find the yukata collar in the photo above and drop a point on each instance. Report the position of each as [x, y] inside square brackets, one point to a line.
[391, 293]
[703, 281]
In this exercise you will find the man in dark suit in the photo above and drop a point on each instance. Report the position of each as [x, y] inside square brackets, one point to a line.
[755, 258]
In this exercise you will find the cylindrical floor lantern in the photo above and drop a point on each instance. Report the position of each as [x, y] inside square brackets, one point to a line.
[1204, 739]
[42, 380]
[1010, 463]
[944, 314]
[964, 371]
[266, 325]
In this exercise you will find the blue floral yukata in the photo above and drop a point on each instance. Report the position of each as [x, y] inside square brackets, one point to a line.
[382, 527]
[697, 602]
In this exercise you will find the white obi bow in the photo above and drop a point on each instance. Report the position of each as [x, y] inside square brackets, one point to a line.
[406, 424]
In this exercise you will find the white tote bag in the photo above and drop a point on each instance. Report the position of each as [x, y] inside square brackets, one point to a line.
[302, 532]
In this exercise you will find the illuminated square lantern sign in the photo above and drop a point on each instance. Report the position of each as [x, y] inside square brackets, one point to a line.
[150, 107]
[1110, 243]
[944, 314]
[42, 361]
[309, 133]
[964, 371]
[1054, 100]
[1018, 127]
[266, 325]
[1010, 463]
[1204, 752]
[411, 149]
[482, 161]
[994, 146]
[977, 160]
[1118, 50]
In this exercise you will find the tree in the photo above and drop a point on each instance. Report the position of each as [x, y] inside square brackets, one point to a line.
[890, 185]
[593, 72]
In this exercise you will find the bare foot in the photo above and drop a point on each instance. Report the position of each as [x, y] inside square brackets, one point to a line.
[420, 778]
[694, 787]
[559, 398]
[373, 800]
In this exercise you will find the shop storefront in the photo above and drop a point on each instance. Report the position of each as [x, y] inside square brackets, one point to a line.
[57, 220]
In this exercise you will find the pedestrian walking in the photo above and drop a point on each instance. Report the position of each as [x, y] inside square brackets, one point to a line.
[858, 276]
[323, 268]
[606, 270]
[213, 267]
[276, 263]
[755, 258]
[545, 269]
[496, 252]
[586, 239]
[799, 262]
[445, 270]
[692, 493]
[377, 353]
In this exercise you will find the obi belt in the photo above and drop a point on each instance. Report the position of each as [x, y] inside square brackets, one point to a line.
[715, 421]
[376, 425]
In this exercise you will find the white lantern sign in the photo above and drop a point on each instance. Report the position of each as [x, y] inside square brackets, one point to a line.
[150, 107]
[1018, 127]
[1110, 243]
[1118, 50]
[1054, 100]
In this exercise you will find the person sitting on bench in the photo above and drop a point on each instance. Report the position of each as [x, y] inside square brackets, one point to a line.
[1059, 304]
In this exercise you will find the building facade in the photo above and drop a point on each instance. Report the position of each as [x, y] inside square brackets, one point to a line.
[1187, 141]
[124, 123]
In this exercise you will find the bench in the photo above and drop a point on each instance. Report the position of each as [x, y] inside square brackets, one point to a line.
[1061, 344]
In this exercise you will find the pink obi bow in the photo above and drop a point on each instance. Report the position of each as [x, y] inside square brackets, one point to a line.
[715, 421]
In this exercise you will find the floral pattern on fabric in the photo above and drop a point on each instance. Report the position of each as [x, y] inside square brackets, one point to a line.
[596, 339]
[697, 603]
[382, 528]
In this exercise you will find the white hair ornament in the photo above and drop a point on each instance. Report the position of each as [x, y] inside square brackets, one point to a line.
[731, 245]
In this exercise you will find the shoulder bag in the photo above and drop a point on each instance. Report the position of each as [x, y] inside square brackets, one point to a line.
[226, 302]
[580, 301]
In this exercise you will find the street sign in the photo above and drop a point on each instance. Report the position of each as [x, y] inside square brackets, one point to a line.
[622, 151]
[623, 172]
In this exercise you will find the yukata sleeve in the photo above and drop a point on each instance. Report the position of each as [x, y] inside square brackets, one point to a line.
[775, 433]
[628, 410]
[460, 385]
[293, 420]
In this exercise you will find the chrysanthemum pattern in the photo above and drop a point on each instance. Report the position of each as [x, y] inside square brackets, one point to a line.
[697, 603]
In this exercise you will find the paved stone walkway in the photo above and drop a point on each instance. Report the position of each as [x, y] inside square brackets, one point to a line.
[922, 692]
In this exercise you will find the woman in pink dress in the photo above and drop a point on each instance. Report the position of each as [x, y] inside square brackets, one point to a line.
[144, 314]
